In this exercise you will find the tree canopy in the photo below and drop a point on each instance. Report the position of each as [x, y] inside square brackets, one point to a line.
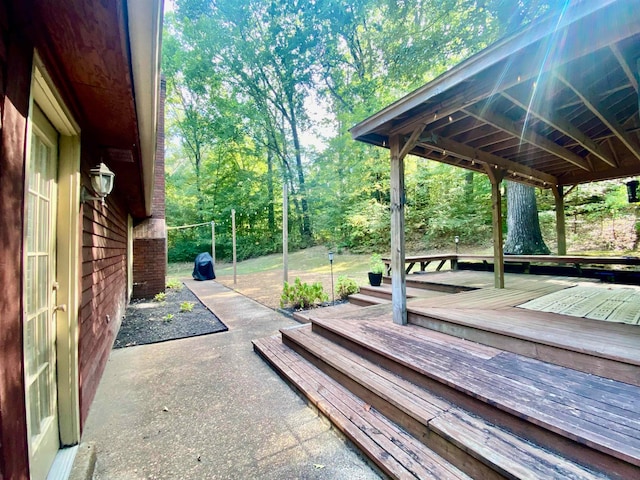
[263, 92]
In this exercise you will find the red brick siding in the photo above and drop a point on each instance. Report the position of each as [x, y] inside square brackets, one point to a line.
[149, 266]
[150, 241]
[15, 81]
[104, 287]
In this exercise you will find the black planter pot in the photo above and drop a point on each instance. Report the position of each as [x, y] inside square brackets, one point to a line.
[375, 279]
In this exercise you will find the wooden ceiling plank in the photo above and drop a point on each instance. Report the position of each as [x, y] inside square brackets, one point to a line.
[625, 65]
[529, 136]
[562, 125]
[603, 113]
[472, 154]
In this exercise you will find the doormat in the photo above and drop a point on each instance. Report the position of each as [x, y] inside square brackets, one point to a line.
[611, 304]
[148, 321]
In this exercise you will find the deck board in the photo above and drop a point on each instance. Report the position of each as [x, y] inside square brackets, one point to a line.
[578, 334]
[396, 452]
[567, 415]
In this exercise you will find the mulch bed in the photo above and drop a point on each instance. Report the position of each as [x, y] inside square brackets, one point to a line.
[147, 321]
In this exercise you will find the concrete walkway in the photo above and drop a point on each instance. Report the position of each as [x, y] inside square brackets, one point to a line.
[209, 408]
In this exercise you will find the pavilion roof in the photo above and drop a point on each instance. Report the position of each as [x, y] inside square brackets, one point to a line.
[554, 104]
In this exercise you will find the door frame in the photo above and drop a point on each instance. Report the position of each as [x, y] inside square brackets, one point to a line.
[68, 251]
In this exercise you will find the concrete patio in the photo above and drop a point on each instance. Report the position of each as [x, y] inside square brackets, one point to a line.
[209, 407]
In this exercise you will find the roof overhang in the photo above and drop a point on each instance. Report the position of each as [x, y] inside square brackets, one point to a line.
[145, 30]
[554, 104]
[104, 58]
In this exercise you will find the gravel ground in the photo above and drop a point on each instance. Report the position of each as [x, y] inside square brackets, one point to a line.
[148, 321]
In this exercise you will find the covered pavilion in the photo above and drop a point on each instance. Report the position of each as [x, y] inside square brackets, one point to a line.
[552, 106]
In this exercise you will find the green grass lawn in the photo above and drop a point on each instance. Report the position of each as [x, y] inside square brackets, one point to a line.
[311, 260]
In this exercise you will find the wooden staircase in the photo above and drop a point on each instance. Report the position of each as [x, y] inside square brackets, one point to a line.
[425, 404]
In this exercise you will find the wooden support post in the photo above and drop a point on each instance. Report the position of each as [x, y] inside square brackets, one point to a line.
[285, 232]
[233, 238]
[398, 276]
[561, 231]
[496, 176]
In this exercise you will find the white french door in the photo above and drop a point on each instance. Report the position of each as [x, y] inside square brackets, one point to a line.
[40, 302]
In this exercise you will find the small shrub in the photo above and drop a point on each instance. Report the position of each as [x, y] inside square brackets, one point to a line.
[186, 306]
[376, 265]
[168, 317]
[160, 297]
[174, 284]
[346, 286]
[302, 295]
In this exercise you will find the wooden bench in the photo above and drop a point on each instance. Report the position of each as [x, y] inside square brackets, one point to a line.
[578, 261]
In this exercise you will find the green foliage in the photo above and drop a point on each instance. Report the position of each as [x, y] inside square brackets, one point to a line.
[302, 295]
[160, 297]
[248, 81]
[174, 284]
[346, 286]
[376, 265]
[187, 306]
[168, 317]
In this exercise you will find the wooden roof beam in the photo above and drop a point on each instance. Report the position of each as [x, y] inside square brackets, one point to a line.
[601, 111]
[411, 142]
[503, 123]
[443, 144]
[562, 125]
[625, 65]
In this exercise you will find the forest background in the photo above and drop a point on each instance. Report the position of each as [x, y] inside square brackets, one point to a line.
[262, 93]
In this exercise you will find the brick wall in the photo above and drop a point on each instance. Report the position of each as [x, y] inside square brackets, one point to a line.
[150, 235]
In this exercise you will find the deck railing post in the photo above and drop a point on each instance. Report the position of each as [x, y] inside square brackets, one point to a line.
[398, 275]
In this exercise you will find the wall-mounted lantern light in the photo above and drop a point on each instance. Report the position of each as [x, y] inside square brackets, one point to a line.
[632, 191]
[457, 240]
[101, 182]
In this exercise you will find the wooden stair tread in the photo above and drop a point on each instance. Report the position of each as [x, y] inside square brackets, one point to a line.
[578, 334]
[304, 316]
[562, 412]
[361, 299]
[384, 290]
[505, 452]
[396, 452]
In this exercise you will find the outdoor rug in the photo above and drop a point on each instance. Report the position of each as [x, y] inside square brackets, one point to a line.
[150, 321]
[612, 304]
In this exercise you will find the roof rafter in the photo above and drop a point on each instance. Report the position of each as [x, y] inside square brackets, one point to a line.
[601, 111]
[561, 125]
[503, 123]
[625, 65]
[443, 144]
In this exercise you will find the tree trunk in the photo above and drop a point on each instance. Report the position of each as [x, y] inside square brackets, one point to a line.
[523, 226]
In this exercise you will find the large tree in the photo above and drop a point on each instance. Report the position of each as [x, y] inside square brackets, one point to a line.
[523, 225]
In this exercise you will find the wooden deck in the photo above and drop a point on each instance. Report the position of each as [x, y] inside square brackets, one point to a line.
[532, 395]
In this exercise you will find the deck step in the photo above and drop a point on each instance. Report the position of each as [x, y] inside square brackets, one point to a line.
[564, 340]
[384, 291]
[366, 300]
[483, 449]
[396, 453]
[420, 282]
[304, 316]
[589, 419]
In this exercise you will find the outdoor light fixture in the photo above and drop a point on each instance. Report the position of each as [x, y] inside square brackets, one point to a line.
[101, 183]
[457, 240]
[333, 299]
[632, 191]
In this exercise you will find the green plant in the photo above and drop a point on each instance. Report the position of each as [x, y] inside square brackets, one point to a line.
[346, 286]
[160, 297]
[174, 284]
[168, 317]
[376, 265]
[302, 295]
[187, 306]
